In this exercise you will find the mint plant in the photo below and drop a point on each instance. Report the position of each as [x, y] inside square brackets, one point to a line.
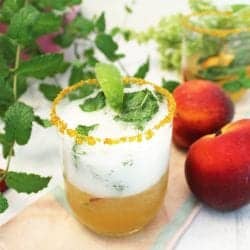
[33, 35]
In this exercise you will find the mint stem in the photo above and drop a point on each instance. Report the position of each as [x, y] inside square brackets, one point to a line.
[17, 62]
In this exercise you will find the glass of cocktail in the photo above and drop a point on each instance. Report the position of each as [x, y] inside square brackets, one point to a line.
[115, 160]
[216, 47]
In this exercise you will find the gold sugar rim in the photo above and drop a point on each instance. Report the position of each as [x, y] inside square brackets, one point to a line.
[210, 31]
[91, 140]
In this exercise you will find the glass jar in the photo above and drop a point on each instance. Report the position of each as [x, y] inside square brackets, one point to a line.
[216, 48]
[116, 185]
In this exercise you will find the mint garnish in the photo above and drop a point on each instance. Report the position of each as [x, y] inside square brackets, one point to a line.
[84, 130]
[138, 107]
[111, 83]
[93, 104]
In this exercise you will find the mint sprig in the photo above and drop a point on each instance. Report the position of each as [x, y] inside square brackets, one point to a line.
[36, 32]
[84, 129]
[93, 103]
[138, 108]
[26, 183]
[110, 80]
[3, 203]
[41, 66]
[50, 91]
[18, 123]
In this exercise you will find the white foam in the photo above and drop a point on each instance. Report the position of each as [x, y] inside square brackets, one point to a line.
[114, 170]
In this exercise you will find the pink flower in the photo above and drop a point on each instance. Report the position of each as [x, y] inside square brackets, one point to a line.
[3, 27]
[71, 15]
[47, 45]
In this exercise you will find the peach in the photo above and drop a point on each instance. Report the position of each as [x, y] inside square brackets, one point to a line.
[201, 108]
[217, 167]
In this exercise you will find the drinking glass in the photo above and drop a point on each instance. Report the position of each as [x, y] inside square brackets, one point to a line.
[116, 185]
[216, 48]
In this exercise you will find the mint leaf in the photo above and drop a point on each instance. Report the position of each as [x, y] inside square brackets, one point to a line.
[10, 8]
[3, 203]
[84, 130]
[170, 85]
[42, 122]
[82, 92]
[6, 96]
[21, 24]
[6, 145]
[93, 104]
[49, 91]
[111, 83]
[7, 49]
[80, 27]
[26, 183]
[65, 39]
[245, 83]
[18, 123]
[107, 46]
[41, 66]
[142, 70]
[6, 93]
[232, 86]
[101, 23]
[91, 60]
[57, 4]
[138, 107]
[76, 74]
[22, 86]
[4, 69]
[237, 7]
[46, 23]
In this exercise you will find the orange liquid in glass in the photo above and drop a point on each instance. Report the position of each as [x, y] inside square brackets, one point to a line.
[116, 216]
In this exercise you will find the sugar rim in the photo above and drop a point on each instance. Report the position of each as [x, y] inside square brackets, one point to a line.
[91, 140]
[186, 22]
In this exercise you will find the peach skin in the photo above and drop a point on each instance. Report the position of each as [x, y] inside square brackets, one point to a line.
[201, 108]
[217, 167]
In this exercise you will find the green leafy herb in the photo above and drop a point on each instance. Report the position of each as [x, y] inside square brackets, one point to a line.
[111, 83]
[26, 183]
[101, 23]
[7, 49]
[242, 82]
[10, 8]
[6, 145]
[41, 66]
[94, 104]
[42, 122]
[128, 9]
[81, 26]
[139, 107]
[84, 130]
[18, 123]
[4, 69]
[142, 70]
[46, 23]
[49, 91]
[170, 85]
[106, 44]
[21, 23]
[3, 203]
[82, 92]
[57, 4]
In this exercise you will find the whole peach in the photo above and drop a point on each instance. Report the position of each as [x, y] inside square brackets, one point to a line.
[217, 167]
[201, 108]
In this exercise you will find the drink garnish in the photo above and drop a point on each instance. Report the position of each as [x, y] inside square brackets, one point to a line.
[111, 83]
